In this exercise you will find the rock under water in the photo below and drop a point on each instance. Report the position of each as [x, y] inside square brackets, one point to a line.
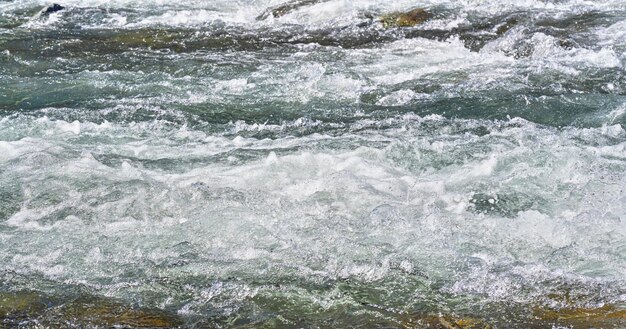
[405, 19]
[286, 8]
[52, 9]
[24, 307]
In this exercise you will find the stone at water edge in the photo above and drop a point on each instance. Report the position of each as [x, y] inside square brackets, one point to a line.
[405, 19]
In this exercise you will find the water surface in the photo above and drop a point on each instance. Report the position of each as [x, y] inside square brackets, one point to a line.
[315, 169]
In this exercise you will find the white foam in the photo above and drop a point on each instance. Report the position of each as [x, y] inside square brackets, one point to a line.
[73, 127]
[8, 151]
[401, 97]
[325, 211]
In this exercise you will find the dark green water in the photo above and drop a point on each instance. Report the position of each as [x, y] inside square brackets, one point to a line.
[315, 169]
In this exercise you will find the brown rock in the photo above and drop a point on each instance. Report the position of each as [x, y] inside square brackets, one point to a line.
[109, 313]
[444, 322]
[84, 312]
[605, 316]
[405, 19]
[21, 304]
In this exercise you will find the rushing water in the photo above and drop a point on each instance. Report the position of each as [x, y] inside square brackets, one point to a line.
[315, 169]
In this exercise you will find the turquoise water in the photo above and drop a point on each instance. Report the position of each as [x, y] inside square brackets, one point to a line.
[315, 169]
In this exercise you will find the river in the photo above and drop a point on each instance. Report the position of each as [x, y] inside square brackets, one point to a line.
[315, 169]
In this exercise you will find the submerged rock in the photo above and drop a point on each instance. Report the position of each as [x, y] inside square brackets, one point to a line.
[286, 8]
[52, 9]
[405, 19]
[22, 304]
[501, 204]
[607, 316]
[109, 313]
[605, 312]
[476, 36]
[395, 19]
[45, 12]
[444, 322]
[84, 312]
